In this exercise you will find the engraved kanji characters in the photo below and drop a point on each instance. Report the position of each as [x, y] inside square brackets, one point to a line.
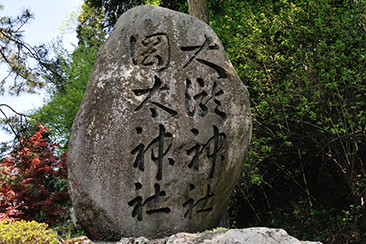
[206, 46]
[212, 148]
[159, 147]
[201, 205]
[140, 204]
[148, 99]
[152, 51]
[203, 98]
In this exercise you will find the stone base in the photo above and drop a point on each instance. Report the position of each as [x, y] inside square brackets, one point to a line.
[253, 235]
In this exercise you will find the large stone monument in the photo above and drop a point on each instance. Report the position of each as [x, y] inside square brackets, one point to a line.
[161, 135]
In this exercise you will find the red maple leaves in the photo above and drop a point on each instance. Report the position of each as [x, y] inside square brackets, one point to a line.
[33, 182]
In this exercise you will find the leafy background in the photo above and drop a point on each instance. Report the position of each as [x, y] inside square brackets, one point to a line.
[303, 62]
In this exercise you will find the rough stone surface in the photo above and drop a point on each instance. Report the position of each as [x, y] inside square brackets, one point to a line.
[257, 235]
[161, 135]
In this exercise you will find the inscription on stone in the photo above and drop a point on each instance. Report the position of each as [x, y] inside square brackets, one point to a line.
[149, 93]
[202, 98]
[152, 51]
[139, 204]
[159, 148]
[206, 45]
[162, 133]
[200, 206]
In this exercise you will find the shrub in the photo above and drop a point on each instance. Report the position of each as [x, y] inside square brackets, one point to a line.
[304, 65]
[29, 232]
[33, 182]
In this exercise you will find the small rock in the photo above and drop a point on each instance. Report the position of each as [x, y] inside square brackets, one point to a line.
[78, 240]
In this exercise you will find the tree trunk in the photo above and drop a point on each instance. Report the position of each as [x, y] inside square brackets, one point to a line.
[199, 9]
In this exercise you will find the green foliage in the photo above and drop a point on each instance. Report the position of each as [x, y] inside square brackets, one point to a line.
[215, 229]
[60, 109]
[25, 64]
[178, 5]
[90, 30]
[26, 232]
[113, 9]
[153, 2]
[303, 63]
[329, 225]
[68, 231]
